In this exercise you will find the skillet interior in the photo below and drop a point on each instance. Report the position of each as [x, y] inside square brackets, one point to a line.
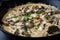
[5, 8]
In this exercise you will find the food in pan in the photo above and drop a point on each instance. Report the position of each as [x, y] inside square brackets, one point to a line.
[32, 20]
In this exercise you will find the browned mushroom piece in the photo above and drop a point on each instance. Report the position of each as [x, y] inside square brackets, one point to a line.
[17, 32]
[52, 29]
[26, 34]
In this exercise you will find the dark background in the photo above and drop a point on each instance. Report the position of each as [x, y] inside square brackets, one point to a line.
[6, 4]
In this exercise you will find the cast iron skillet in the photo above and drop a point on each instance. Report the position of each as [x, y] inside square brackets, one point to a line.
[10, 4]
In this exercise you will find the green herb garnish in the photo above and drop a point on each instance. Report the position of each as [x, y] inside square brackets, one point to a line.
[26, 19]
[36, 27]
[28, 14]
[15, 16]
[43, 13]
[38, 12]
[52, 18]
[47, 17]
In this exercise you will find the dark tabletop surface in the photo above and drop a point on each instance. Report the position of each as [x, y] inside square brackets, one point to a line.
[3, 36]
[55, 3]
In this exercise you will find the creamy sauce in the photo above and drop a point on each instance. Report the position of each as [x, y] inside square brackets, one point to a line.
[31, 20]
